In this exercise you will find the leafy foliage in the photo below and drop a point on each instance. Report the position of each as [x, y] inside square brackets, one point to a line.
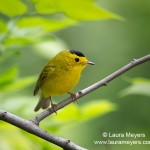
[9, 81]
[139, 86]
[24, 19]
[3, 26]
[9, 137]
[79, 10]
[12, 8]
[45, 24]
[86, 112]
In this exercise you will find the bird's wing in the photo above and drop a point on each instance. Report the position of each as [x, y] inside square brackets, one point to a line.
[46, 72]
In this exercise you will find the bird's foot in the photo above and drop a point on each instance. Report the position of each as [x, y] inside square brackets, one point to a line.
[73, 96]
[54, 107]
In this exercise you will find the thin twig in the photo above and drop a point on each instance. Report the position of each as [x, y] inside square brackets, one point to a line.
[103, 82]
[32, 128]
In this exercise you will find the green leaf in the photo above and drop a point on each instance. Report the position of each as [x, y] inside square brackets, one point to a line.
[9, 139]
[20, 84]
[19, 102]
[12, 7]
[82, 10]
[17, 41]
[140, 86]
[85, 10]
[44, 23]
[48, 6]
[3, 26]
[86, 112]
[10, 83]
[97, 108]
[8, 77]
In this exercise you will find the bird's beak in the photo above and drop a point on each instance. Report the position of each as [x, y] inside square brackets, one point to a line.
[90, 63]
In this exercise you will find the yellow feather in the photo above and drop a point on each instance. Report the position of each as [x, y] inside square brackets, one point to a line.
[60, 75]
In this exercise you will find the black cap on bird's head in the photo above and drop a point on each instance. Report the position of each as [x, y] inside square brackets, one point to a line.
[77, 53]
[80, 55]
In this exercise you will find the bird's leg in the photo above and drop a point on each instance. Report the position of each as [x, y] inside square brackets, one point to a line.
[54, 106]
[73, 96]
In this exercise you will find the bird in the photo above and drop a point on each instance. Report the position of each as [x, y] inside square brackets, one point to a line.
[60, 75]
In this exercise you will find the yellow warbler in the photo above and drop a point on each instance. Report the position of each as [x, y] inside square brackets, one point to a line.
[59, 76]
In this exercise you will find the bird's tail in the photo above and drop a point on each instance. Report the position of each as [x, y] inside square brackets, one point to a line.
[43, 103]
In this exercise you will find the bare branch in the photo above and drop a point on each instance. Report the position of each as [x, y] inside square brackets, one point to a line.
[32, 128]
[103, 82]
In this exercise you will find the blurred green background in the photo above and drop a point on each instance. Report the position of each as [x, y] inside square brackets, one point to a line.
[109, 33]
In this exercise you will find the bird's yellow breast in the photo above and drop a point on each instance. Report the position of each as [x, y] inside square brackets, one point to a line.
[61, 81]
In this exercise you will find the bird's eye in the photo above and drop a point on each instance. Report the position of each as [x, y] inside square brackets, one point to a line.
[76, 59]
